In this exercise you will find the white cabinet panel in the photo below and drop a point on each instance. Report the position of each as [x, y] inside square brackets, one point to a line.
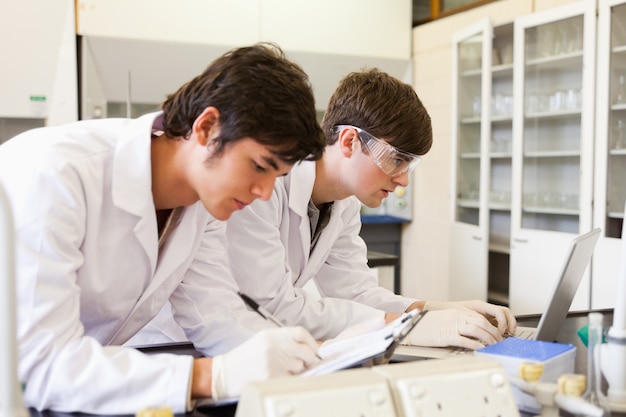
[213, 22]
[38, 74]
[142, 50]
[374, 28]
[352, 27]
[468, 266]
[536, 262]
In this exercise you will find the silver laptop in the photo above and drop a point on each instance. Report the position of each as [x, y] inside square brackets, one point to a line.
[574, 266]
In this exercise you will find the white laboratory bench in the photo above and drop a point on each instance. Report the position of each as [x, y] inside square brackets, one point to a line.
[568, 334]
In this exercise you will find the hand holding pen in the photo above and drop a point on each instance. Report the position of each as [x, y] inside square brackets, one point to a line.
[263, 312]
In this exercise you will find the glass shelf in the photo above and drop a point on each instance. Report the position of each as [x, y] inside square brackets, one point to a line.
[471, 120]
[472, 73]
[553, 114]
[548, 210]
[505, 70]
[552, 154]
[473, 204]
[558, 62]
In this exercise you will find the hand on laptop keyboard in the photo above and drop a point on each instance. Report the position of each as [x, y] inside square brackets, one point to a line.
[454, 327]
[500, 316]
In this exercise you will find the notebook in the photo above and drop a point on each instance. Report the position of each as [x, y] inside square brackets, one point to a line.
[576, 261]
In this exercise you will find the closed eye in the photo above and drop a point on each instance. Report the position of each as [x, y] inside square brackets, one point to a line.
[258, 168]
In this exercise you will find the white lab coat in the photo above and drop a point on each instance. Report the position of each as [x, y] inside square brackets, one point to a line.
[269, 246]
[90, 275]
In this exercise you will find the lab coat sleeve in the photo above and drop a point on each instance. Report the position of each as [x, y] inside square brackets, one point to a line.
[206, 304]
[258, 259]
[345, 274]
[62, 368]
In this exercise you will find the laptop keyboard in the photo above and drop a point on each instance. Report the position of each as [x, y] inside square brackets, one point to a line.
[525, 333]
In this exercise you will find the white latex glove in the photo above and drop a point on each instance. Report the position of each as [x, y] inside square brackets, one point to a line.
[454, 327]
[269, 353]
[358, 329]
[502, 317]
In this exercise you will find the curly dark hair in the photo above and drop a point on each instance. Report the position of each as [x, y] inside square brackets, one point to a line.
[384, 107]
[259, 94]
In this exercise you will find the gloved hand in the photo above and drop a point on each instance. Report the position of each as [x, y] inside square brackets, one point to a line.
[269, 353]
[454, 327]
[500, 316]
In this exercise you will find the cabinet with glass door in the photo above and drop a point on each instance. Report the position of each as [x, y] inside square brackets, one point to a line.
[482, 143]
[610, 151]
[472, 56]
[553, 147]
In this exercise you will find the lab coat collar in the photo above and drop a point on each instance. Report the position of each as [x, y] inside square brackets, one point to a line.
[299, 186]
[183, 239]
[132, 181]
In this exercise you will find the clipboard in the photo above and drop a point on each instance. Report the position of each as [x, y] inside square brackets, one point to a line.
[369, 349]
[365, 350]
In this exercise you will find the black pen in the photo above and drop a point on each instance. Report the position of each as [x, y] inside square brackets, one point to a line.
[262, 312]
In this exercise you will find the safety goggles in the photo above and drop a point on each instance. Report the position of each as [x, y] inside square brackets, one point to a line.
[391, 160]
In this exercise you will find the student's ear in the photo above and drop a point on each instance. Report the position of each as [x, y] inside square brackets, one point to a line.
[348, 141]
[207, 126]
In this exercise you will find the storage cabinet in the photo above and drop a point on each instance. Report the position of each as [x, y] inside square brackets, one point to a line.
[470, 132]
[554, 84]
[522, 154]
[610, 150]
[482, 132]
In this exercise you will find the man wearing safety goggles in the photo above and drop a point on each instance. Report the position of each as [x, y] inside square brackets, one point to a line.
[376, 128]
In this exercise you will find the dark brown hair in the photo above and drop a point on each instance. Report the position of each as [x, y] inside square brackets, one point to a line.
[259, 94]
[384, 107]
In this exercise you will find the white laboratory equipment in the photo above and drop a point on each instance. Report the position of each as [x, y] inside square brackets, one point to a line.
[355, 392]
[11, 404]
[552, 397]
[463, 386]
[593, 394]
[613, 353]
[466, 385]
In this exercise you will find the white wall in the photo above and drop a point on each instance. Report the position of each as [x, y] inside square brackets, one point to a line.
[426, 240]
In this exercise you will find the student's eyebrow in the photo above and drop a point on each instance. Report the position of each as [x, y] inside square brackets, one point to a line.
[271, 162]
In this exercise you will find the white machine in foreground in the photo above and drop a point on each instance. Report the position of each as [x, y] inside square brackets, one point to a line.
[613, 353]
[11, 404]
[467, 385]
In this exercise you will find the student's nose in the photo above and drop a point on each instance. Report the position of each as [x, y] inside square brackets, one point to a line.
[401, 180]
[263, 189]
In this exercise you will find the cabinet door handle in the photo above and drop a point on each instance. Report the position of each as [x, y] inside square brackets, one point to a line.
[518, 240]
[477, 238]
